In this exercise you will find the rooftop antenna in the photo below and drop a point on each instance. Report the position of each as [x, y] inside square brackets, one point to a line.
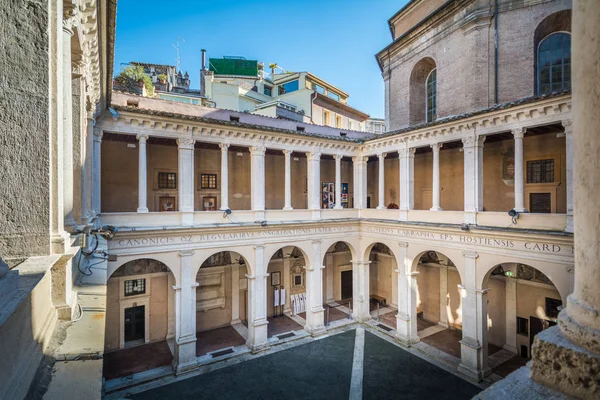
[179, 39]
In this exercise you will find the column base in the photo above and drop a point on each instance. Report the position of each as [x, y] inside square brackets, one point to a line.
[185, 367]
[259, 347]
[187, 218]
[235, 321]
[288, 208]
[520, 210]
[381, 207]
[224, 208]
[577, 324]
[142, 209]
[338, 207]
[315, 331]
[316, 215]
[472, 363]
[259, 215]
[470, 217]
[403, 215]
[475, 374]
[435, 209]
[60, 242]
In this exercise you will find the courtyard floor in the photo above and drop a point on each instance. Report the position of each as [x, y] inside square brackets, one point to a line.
[355, 361]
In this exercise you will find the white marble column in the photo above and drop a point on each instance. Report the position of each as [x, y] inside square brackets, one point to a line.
[67, 97]
[257, 303]
[288, 180]
[519, 170]
[381, 185]
[287, 280]
[473, 346]
[360, 181]
[338, 181]
[570, 151]
[185, 314]
[224, 176]
[360, 290]
[406, 164]
[406, 319]
[443, 296]
[142, 174]
[186, 180]
[257, 166]
[314, 293]
[96, 171]
[235, 294]
[87, 168]
[435, 190]
[314, 183]
[510, 290]
[473, 177]
[329, 271]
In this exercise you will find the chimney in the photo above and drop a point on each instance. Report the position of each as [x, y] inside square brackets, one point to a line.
[203, 59]
[203, 73]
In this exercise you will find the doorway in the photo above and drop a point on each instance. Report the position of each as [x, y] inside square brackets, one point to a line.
[135, 324]
[346, 284]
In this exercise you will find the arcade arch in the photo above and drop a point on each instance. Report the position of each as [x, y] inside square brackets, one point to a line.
[383, 284]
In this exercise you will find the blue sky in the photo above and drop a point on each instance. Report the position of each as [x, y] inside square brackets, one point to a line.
[334, 39]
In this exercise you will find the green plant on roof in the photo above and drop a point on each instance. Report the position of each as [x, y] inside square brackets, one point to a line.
[162, 78]
[131, 76]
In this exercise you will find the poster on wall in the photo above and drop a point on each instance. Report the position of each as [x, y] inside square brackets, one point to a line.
[345, 195]
[328, 195]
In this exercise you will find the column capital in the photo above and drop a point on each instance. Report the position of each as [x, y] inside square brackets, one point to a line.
[186, 143]
[141, 137]
[259, 246]
[224, 146]
[360, 160]
[313, 156]
[403, 244]
[360, 262]
[568, 125]
[71, 18]
[518, 133]
[98, 133]
[186, 253]
[473, 141]
[287, 152]
[436, 146]
[316, 242]
[381, 155]
[257, 150]
[406, 152]
[470, 254]
[338, 156]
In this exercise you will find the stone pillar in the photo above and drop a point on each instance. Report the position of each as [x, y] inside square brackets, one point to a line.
[235, 294]
[519, 170]
[257, 301]
[287, 281]
[406, 319]
[314, 293]
[360, 290]
[435, 191]
[257, 166]
[570, 150]
[510, 290]
[288, 180]
[314, 179]
[142, 175]
[186, 180]
[473, 346]
[87, 168]
[338, 181]
[381, 184]
[443, 296]
[329, 281]
[360, 181]
[473, 177]
[67, 114]
[96, 171]
[224, 175]
[185, 313]
[406, 163]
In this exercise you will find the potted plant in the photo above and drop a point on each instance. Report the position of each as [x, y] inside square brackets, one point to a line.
[392, 206]
[162, 78]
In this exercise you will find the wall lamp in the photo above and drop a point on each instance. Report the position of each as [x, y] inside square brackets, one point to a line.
[514, 214]
[226, 212]
[464, 227]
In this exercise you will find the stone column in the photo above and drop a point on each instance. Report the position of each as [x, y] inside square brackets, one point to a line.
[510, 289]
[406, 319]
[406, 164]
[314, 179]
[473, 177]
[224, 175]
[435, 192]
[360, 181]
[87, 168]
[314, 293]
[338, 181]
[381, 185]
[142, 175]
[570, 150]
[257, 166]
[288, 180]
[329, 274]
[67, 114]
[235, 294]
[519, 170]
[443, 296]
[186, 180]
[473, 346]
[360, 290]
[185, 314]
[96, 171]
[257, 303]
[287, 282]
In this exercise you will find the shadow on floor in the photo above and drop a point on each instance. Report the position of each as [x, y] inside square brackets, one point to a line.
[124, 362]
[509, 366]
[281, 324]
[217, 339]
[448, 341]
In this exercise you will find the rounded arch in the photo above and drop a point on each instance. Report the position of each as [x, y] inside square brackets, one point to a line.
[444, 256]
[246, 252]
[302, 247]
[144, 262]
[555, 23]
[391, 245]
[418, 89]
[224, 257]
[328, 244]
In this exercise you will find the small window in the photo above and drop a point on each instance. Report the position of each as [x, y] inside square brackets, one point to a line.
[319, 88]
[349, 124]
[288, 87]
[208, 181]
[522, 326]
[325, 117]
[167, 180]
[234, 119]
[431, 101]
[268, 91]
[540, 203]
[334, 96]
[552, 307]
[300, 128]
[338, 122]
[134, 287]
[554, 63]
[540, 171]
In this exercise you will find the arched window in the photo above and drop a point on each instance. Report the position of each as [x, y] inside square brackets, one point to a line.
[554, 63]
[431, 96]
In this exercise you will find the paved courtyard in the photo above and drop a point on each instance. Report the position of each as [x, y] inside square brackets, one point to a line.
[355, 361]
